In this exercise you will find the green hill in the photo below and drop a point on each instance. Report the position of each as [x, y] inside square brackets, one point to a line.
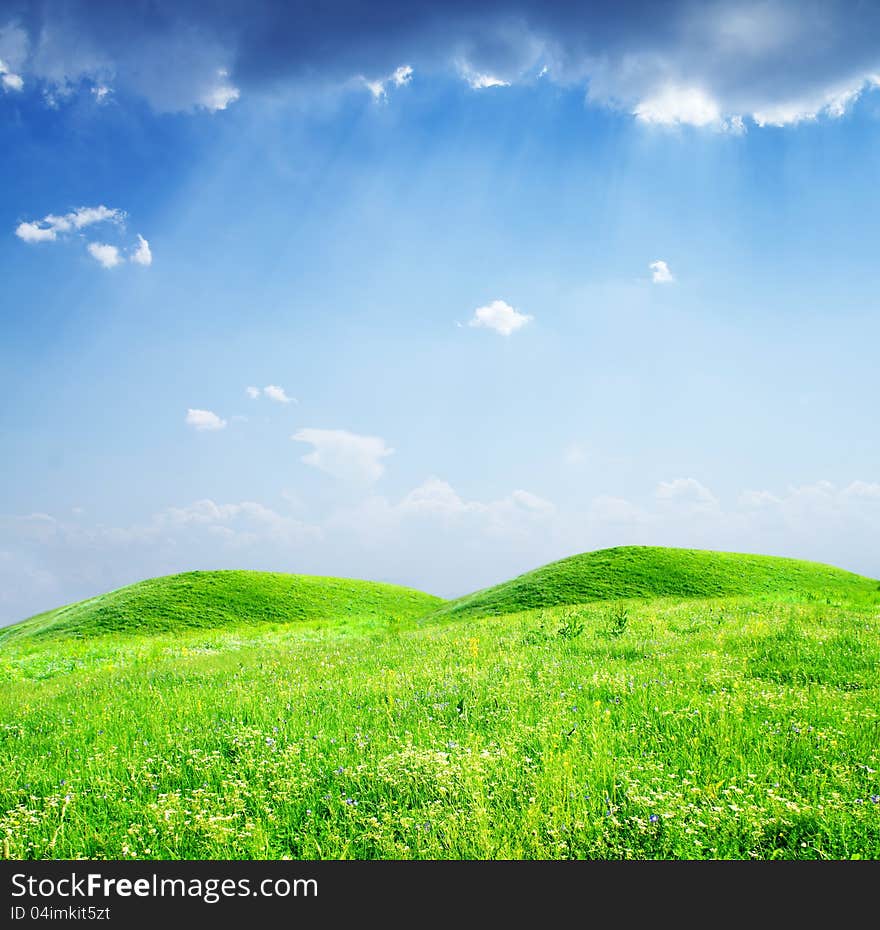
[207, 600]
[656, 571]
[200, 600]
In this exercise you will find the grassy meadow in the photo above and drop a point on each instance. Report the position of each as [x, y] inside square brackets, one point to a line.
[666, 725]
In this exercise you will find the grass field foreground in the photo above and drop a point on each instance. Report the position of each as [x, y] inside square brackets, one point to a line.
[729, 727]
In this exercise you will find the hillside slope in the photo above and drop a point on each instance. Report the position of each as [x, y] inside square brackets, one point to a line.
[655, 571]
[197, 600]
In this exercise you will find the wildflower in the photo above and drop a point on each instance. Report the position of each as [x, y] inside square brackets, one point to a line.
[351, 802]
[875, 798]
[654, 818]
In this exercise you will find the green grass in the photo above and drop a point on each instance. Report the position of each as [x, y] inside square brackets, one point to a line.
[721, 726]
[208, 600]
[654, 571]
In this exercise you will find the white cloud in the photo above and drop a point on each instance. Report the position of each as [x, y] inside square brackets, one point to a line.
[756, 500]
[435, 496]
[101, 92]
[347, 456]
[863, 489]
[53, 227]
[88, 216]
[660, 273]
[272, 391]
[219, 95]
[107, 255]
[434, 517]
[688, 492]
[244, 523]
[204, 419]
[439, 498]
[278, 394]
[478, 81]
[500, 317]
[8, 78]
[34, 232]
[376, 88]
[713, 65]
[531, 502]
[479, 78]
[48, 228]
[775, 63]
[11, 81]
[175, 64]
[833, 102]
[142, 254]
[400, 77]
[676, 105]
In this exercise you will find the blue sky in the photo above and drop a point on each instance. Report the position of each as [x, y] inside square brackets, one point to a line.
[432, 255]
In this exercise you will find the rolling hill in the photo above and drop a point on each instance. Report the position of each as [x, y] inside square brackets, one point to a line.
[655, 571]
[201, 600]
[212, 599]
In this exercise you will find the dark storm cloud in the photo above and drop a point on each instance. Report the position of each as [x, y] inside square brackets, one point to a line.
[704, 63]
